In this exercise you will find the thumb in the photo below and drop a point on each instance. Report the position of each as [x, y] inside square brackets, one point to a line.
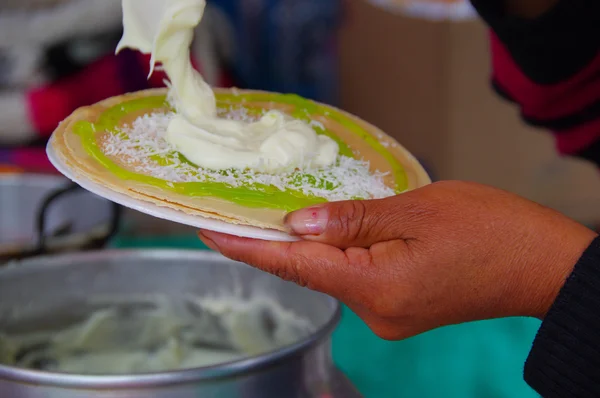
[350, 223]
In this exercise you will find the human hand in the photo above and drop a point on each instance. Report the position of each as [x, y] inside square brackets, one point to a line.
[448, 253]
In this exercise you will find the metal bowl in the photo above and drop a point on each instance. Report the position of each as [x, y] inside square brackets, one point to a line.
[42, 214]
[39, 293]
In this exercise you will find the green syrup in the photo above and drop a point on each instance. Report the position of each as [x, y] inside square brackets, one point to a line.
[251, 195]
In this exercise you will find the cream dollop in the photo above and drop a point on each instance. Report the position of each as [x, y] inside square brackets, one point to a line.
[274, 143]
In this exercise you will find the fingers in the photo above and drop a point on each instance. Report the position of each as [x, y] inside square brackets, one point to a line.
[314, 265]
[351, 223]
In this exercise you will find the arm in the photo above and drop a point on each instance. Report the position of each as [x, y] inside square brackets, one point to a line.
[546, 58]
[450, 253]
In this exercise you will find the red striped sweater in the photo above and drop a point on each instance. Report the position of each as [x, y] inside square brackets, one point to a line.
[550, 67]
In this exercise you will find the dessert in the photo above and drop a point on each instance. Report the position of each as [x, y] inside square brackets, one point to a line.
[239, 156]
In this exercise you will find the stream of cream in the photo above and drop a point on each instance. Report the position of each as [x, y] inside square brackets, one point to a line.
[275, 143]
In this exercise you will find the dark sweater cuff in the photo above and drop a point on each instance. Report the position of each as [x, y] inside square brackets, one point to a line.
[552, 47]
[565, 358]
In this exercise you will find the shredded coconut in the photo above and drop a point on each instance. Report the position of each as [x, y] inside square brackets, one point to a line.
[143, 147]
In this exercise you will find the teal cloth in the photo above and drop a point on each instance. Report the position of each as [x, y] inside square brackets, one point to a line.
[171, 242]
[481, 359]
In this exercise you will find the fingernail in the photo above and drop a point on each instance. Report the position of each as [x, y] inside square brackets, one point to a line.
[311, 221]
[208, 242]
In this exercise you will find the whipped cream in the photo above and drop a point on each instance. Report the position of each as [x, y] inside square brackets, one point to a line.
[273, 144]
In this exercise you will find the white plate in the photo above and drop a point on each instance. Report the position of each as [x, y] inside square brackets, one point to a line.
[164, 212]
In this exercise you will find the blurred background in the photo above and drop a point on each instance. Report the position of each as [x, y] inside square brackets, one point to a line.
[418, 70]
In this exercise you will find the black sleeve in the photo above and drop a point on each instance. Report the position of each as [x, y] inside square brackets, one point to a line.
[552, 47]
[565, 358]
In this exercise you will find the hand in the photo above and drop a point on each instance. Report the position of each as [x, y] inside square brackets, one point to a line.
[447, 253]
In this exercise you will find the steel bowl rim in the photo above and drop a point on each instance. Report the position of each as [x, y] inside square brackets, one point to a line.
[162, 379]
